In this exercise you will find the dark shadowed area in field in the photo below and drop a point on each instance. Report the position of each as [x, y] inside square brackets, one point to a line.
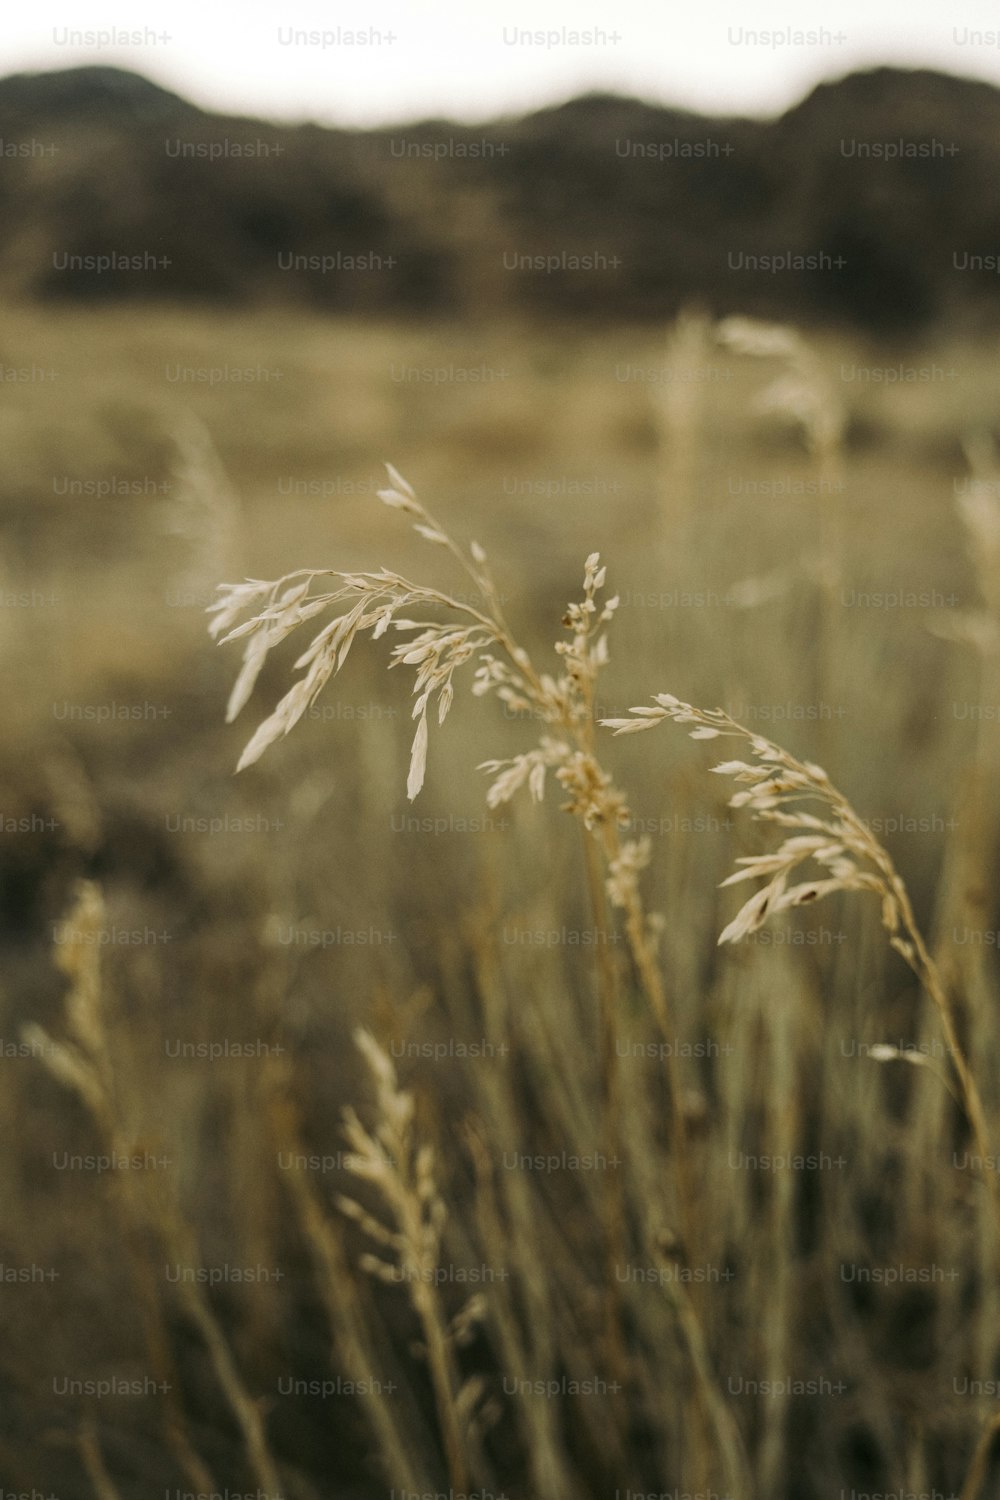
[885, 182]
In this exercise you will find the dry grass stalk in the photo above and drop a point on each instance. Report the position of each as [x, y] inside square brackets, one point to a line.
[564, 703]
[84, 1064]
[206, 512]
[967, 878]
[679, 408]
[92, 1459]
[839, 842]
[820, 826]
[979, 509]
[802, 393]
[728, 1442]
[973, 1483]
[968, 874]
[402, 1174]
[522, 1354]
[852, 859]
[337, 1288]
[247, 1411]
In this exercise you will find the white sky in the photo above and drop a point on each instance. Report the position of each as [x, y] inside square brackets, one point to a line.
[455, 59]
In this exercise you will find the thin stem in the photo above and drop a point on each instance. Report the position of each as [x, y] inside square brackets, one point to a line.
[345, 1310]
[928, 973]
[656, 997]
[443, 1380]
[614, 1150]
[92, 1459]
[977, 1469]
[654, 991]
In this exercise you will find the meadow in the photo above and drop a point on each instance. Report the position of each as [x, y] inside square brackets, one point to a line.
[571, 1243]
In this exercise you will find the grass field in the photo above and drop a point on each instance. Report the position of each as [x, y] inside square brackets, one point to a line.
[821, 1318]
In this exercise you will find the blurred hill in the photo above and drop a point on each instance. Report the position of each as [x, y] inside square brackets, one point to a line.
[886, 182]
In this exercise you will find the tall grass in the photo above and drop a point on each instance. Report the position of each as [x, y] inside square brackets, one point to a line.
[590, 1207]
[707, 1445]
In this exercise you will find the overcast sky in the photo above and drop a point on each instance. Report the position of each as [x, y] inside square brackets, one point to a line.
[468, 60]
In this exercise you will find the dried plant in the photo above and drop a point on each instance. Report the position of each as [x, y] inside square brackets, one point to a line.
[967, 878]
[979, 509]
[563, 702]
[402, 1174]
[373, 602]
[84, 1064]
[205, 512]
[354, 1340]
[826, 848]
[802, 393]
[92, 1459]
[779, 789]
[679, 408]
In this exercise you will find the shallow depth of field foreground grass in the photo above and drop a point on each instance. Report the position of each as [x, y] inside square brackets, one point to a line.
[356, 1145]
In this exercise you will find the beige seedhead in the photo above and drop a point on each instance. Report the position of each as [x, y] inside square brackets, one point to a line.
[825, 848]
[775, 789]
[374, 602]
[824, 829]
[563, 702]
[780, 789]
